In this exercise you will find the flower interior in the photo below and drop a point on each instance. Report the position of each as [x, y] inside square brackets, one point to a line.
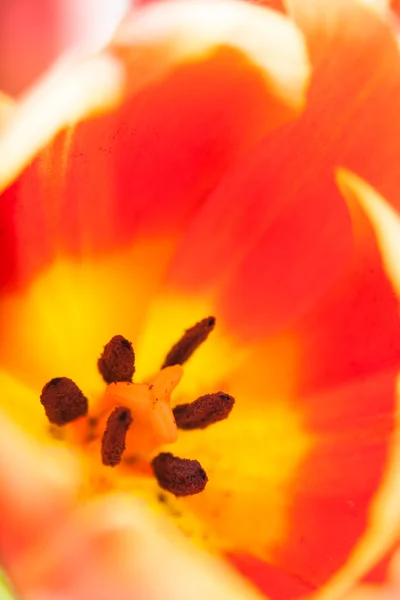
[189, 171]
[131, 421]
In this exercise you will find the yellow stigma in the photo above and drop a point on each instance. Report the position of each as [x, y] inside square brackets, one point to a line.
[150, 404]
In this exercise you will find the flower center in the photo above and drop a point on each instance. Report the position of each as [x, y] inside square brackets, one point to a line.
[133, 420]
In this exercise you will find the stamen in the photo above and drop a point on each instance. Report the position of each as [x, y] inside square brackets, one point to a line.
[189, 342]
[113, 442]
[117, 362]
[63, 401]
[204, 411]
[180, 476]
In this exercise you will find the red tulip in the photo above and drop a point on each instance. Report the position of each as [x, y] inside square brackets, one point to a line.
[217, 159]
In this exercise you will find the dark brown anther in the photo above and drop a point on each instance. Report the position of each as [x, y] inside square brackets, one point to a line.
[113, 441]
[63, 401]
[204, 411]
[117, 362]
[189, 342]
[180, 476]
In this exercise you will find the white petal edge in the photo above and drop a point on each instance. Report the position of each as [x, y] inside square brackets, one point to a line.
[63, 97]
[383, 218]
[268, 38]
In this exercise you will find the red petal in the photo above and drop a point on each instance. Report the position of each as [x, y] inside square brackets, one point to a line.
[329, 505]
[342, 513]
[271, 580]
[276, 234]
[354, 95]
[149, 164]
[338, 481]
[355, 330]
[38, 487]
[251, 232]
[35, 34]
[112, 547]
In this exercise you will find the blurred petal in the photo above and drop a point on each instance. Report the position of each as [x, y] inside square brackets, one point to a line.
[353, 331]
[155, 40]
[370, 592]
[394, 568]
[90, 25]
[354, 96]
[34, 34]
[38, 485]
[272, 581]
[196, 31]
[5, 590]
[113, 547]
[63, 97]
[344, 477]
[384, 218]
[275, 4]
[395, 6]
[107, 547]
[383, 522]
[350, 471]
[7, 106]
[264, 243]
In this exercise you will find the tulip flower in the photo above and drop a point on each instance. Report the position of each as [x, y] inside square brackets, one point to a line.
[199, 307]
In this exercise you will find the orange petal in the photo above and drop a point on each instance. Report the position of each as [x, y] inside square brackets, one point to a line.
[395, 6]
